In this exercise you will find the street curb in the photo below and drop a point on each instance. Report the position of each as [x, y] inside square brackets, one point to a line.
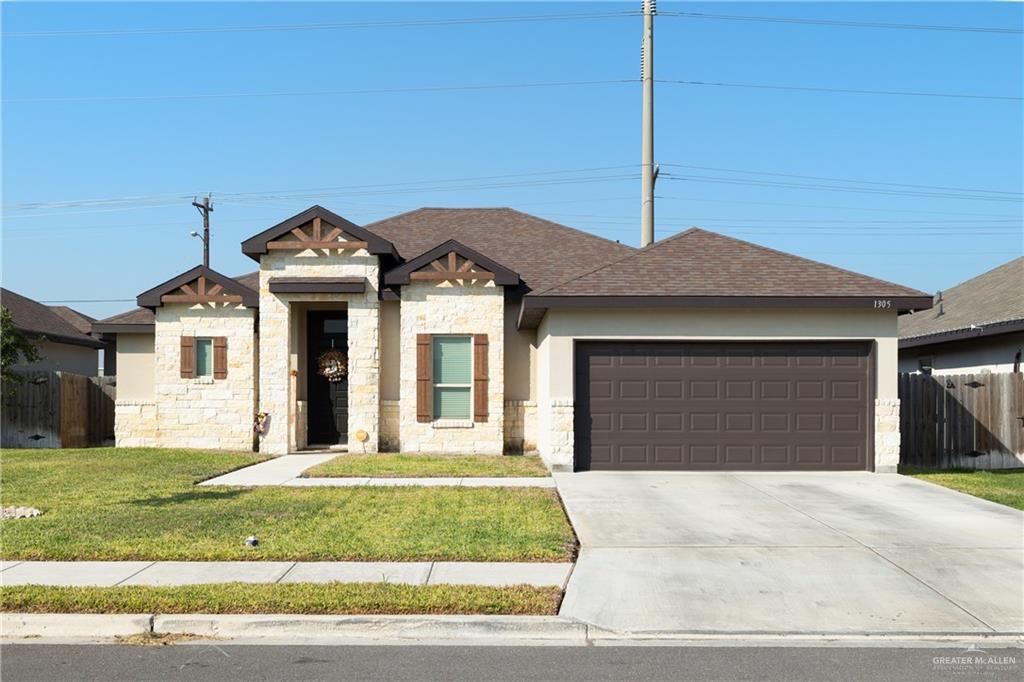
[375, 627]
[72, 625]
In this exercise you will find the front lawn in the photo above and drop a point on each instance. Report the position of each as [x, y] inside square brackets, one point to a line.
[310, 598]
[428, 466]
[1005, 487]
[106, 504]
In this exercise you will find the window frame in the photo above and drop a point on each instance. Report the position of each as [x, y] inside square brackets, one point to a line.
[434, 384]
[198, 372]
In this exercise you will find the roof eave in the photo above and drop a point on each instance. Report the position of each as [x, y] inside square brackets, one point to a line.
[256, 246]
[963, 334]
[534, 307]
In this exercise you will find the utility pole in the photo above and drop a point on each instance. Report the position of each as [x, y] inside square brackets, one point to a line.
[648, 173]
[204, 209]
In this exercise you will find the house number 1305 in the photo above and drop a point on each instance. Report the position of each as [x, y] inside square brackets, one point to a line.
[883, 303]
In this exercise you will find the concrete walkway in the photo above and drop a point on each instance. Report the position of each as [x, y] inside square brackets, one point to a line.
[111, 573]
[286, 470]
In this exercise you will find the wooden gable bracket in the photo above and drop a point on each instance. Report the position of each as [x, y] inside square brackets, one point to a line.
[451, 270]
[314, 237]
[451, 262]
[197, 291]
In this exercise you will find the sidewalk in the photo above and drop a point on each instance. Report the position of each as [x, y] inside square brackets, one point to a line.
[286, 470]
[111, 573]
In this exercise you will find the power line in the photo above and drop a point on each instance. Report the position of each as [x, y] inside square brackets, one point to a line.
[848, 24]
[320, 93]
[836, 188]
[834, 179]
[845, 91]
[402, 23]
[92, 300]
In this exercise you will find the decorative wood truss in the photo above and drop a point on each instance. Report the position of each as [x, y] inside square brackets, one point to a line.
[452, 268]
[451, 262]
[317, 234]
[200, 290]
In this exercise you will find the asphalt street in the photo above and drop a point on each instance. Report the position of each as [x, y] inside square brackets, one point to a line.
[213, 661]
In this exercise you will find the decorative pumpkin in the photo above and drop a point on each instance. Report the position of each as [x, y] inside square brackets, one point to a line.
[333, 365]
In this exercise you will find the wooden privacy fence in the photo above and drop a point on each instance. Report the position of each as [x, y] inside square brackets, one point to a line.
[972, 421]
[58, 410]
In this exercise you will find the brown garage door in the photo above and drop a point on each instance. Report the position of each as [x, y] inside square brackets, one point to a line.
[739, 406]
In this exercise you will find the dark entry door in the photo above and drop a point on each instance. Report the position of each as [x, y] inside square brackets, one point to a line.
[737, 406]
[327, 400]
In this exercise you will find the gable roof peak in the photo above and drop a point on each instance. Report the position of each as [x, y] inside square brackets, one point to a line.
[153, 298]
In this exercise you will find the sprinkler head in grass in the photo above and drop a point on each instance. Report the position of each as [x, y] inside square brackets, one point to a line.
[252, 541]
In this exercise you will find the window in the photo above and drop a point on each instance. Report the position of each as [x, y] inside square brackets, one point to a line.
[204, 357]
[452, 376]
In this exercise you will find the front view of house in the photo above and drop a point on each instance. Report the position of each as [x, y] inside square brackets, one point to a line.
[490, 330]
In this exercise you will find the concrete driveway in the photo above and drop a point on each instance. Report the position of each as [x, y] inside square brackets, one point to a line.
[791, 553]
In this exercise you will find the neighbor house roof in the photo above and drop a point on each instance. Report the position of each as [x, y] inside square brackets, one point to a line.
[991, 303]
[701, 268]
[141, 320]
[543, 253]
[38, 320]
[79, 321]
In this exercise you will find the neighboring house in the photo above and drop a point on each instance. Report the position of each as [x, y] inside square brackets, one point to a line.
[61, 334]
[977, 326]
[489, 330]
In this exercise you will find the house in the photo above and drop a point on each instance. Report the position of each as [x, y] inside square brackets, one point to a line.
[976, 326]
[62, 334]
[490, 330]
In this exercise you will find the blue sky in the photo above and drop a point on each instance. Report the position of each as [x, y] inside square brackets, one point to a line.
[125, 117]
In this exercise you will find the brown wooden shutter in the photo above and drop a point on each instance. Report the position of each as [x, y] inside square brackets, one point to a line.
[424, 410]
[480, 377]
[188, 357]
[220, 357]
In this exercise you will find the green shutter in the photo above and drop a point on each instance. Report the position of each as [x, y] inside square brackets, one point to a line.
[204, 357]
[453, 360]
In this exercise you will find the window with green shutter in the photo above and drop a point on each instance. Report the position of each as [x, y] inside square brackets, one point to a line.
[204, 357]
[452, 376]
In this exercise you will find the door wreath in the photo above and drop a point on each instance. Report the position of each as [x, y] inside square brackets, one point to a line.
[333, 365]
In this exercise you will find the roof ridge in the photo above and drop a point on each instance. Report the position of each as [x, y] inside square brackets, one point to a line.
[1007, 264]
[635, 252]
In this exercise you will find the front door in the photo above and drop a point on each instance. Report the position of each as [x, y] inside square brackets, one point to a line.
[327, 400]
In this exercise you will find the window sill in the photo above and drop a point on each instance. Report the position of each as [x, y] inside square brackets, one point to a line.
[202, 380]
[452, 424]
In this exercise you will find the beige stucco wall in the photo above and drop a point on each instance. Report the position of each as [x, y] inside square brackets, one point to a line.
[390, 350]
[201, 412]
[280, 344]
[520, 384]
[64, 357]
[974, 356]
[135, 366]
[452, 308]
[561, 327]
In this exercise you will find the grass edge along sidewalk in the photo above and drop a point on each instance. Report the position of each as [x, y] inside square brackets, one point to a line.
[429, 466]
[284, 598]
[144, 504]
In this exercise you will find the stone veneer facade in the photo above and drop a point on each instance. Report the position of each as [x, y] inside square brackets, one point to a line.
[887, 435]
[451, 308]
[202, 412]
[278, 354]
[520, 426]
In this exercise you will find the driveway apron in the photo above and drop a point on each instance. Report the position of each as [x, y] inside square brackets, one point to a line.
[820, 553]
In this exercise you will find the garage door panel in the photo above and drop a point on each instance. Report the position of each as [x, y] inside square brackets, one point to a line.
[723, 406]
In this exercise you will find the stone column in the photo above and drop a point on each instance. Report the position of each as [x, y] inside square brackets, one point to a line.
[275, 351]
[887, 435]
[364, 372]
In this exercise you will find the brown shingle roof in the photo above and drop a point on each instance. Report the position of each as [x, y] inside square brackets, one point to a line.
[79, 321]
[542, 252]
[145, 316]
[36, 319]
[701, 263]
[995, 297]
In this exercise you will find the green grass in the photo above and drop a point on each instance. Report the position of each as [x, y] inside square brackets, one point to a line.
[310, 598]
[106, 504]
[1005, 487]
[430, 466]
